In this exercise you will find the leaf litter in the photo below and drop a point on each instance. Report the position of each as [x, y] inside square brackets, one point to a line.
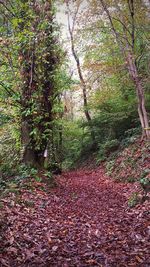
[84, 221]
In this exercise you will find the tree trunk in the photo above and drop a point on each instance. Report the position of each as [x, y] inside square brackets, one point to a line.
[28, 153]
[140, 96]
[38, 88]
[81, 77]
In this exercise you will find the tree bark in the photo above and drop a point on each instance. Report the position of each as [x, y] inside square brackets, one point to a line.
[140, 96]
[29, 156]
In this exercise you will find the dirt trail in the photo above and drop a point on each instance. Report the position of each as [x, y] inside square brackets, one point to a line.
[85, 221]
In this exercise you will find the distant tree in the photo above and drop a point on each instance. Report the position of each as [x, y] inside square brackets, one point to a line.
[71, 28]
[126, 37]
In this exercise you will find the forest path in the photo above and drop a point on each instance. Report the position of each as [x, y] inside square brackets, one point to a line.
[85, 221]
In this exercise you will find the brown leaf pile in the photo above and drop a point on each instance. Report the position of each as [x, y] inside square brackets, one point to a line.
[85, 221]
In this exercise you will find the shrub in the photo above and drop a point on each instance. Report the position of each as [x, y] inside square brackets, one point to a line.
[9, 152]
[110, 166]
[106, 148]
[133, 200]
[73, 135]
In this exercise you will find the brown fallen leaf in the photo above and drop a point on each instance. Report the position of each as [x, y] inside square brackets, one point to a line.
[29, 254]
[91, 261]
[4, 262]
[139, 259]
[12, 250]
[11, 240]
[54, 248]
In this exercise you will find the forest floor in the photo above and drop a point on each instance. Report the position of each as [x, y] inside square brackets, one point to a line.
[84, 221]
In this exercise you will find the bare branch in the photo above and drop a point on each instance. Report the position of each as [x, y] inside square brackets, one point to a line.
[9, 91]
[5, 6]
[115, 32]
[132, 13]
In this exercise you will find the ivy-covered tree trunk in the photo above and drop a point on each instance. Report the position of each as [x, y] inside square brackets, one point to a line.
[28, 85]
[38, 62]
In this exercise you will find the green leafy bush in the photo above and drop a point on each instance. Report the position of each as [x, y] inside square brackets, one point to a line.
[145, 183]
[133, 200]
[109, 166]
[9, 152]
[106, 148]
[72, 143]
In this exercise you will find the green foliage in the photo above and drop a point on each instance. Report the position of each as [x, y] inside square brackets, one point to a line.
[114, 126]
[130, 136]
[145, 173]
[133, 200]
[72, 143]
[48, 174]
[145, 183]
[29, 203]
[26, 172]
[131, 179]
[109, 166]
[4, 119]
[106, 149]
[9, 152]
